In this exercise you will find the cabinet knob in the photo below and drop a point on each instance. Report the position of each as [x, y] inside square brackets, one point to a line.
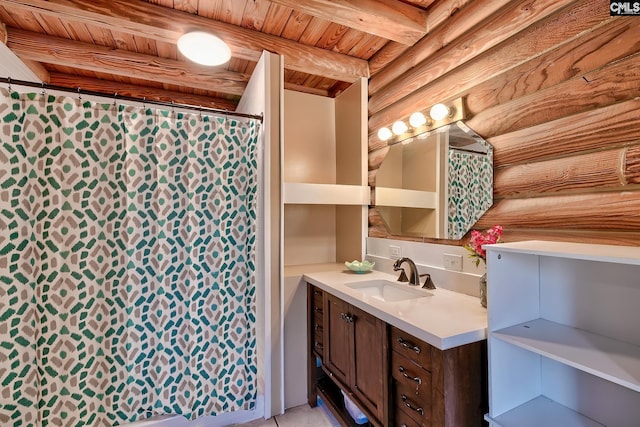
[410, 405]
[317, 309]
[407, 344]
[318, 346]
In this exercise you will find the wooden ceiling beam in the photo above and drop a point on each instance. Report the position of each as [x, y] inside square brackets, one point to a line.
[35, 67]
[449, 21]
[439, 14]
[390, 19]
[160, 23]
[59, 51]
[142, 92]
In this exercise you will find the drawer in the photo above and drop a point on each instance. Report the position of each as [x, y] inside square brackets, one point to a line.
[318, 346]
[411, 347]
[318, 337]
[417, 407]
[318, 320]
[318, 312]
[317, 298]
[402, 419]
[406, 372]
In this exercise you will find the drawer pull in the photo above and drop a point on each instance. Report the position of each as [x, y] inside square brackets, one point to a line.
[317, 327]
[318, 346]
[317, 310]
[317, 293]
[409, 345]
[403, 371]
[408, 404]
[346, 317]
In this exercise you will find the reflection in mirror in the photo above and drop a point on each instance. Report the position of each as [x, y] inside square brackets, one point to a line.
[437, 184]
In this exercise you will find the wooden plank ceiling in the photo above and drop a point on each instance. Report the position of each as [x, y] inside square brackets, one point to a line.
[128, 46]
[404, 47]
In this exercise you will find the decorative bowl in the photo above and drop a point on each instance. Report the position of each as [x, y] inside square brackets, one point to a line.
[360, 266]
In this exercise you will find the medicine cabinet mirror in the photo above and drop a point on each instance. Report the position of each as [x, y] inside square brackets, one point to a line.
[437, 184]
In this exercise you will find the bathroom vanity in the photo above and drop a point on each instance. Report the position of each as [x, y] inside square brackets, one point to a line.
[405, 356]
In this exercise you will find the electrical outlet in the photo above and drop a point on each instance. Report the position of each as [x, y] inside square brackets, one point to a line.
[395, 252]
[452, 262]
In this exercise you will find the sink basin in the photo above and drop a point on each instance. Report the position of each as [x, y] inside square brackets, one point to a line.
[387, 290]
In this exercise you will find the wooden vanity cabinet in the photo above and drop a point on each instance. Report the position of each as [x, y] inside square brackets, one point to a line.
[437, 388]
[356, 356]
[395, 378]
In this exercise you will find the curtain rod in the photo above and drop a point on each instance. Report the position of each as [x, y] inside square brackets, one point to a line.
[80, 91]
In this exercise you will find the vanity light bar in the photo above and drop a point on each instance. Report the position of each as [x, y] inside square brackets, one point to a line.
[424, 121]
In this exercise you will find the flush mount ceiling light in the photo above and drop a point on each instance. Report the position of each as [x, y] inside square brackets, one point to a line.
[204, 48]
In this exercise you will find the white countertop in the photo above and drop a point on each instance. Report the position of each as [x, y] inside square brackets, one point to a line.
[442, 318]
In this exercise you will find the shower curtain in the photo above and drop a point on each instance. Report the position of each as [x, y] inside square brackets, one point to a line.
[127, 274]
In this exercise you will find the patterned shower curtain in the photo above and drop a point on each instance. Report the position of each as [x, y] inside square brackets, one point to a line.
[127, 276]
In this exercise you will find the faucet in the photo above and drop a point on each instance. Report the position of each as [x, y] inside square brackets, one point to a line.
[414, 276]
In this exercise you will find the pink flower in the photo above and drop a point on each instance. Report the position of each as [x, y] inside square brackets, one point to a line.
[478, 239]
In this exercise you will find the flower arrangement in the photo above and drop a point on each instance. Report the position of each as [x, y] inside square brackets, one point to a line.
[478, 239]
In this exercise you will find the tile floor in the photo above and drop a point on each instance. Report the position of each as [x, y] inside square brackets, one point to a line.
[300, 416]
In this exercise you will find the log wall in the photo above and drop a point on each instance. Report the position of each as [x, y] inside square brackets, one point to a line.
[554, 86]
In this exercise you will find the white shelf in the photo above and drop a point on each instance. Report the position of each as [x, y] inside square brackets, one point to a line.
[613, 360]
[589, 252]
[325, 194]
[406, 198]
[541, 412]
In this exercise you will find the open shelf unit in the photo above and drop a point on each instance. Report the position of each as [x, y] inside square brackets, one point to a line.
[324, 176]
[564, 349]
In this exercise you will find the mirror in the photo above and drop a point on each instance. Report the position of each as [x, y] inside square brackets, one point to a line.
[437, 184]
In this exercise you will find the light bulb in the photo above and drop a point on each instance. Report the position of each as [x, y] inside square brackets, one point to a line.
[384, 134]
[399, 127]
[439, 112]
[417, 119]
[204, 48]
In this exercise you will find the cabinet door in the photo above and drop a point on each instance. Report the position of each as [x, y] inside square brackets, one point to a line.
[370, 384]
[338, 339]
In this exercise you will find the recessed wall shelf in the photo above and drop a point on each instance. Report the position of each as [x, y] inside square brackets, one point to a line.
[325, 194]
